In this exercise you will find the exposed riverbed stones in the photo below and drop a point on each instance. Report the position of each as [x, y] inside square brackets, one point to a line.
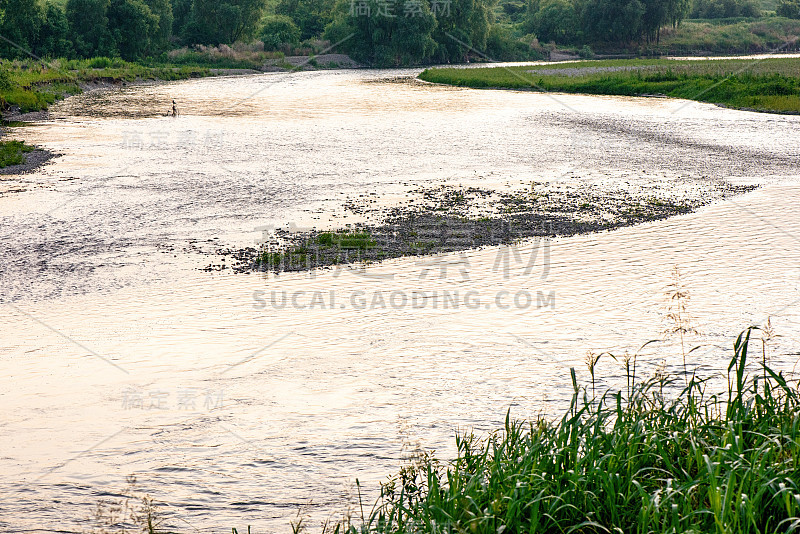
[451, 218]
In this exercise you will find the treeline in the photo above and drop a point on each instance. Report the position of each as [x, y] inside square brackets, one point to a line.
[414, 31]
[603, 21]
[374, 32]
[130, 29]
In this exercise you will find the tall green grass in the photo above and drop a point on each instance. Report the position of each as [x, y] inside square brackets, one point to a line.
[768, 85]
[664, 456]
[13, 153]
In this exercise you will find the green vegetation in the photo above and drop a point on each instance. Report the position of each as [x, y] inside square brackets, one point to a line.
[665, 455]
[378, 32]
[768, 85]
[13, 153]
[322, 248]
[346, 240]
[736, 37]
[385, 33]
[32, 86]
[722, 9]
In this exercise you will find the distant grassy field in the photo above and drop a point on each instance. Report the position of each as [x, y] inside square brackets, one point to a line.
[32, 86]
[771, 85]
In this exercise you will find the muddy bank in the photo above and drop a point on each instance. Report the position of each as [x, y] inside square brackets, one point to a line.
[451, 218]
[33, 160]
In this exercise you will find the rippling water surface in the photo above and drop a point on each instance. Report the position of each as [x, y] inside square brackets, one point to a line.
[235, 399]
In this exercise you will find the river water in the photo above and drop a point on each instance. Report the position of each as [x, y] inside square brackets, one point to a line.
[235, 399]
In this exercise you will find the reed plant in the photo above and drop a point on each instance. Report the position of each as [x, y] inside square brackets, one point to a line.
[666, 456]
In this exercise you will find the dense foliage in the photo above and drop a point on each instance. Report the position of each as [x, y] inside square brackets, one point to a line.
[375, 32]
[789, 9]
[603, 21]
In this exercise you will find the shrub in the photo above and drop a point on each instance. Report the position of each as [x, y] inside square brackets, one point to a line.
[13, 153]
[278, 32]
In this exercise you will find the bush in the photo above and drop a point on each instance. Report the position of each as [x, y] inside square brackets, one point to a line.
[13, 153]
[278, 32]
[717, 9]
[99, 63]
[5, 79]
[501, 46]
[586, 52]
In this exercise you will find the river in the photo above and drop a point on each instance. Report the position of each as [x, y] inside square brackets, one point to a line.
[235, 399]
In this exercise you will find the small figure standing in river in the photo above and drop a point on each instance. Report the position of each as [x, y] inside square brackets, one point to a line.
[174, 109]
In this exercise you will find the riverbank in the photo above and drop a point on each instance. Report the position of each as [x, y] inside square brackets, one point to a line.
[17, 157]
[768, 85]
[453, 218]
[28, 88]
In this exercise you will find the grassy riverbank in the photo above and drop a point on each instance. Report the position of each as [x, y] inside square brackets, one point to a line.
[32, 86]
[771, 85]
[666, 455]
[13, 153]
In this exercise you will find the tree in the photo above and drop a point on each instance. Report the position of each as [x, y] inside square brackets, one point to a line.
[20, 23]
[163, 32]
[654, 16]
[613, 21]
[279, 30]
[501, 46]
[379, 36]
[54, 37]
[556, 21]
[311, 16]
[181, 17]
[461, 25]
[214, 22]
[677, 11]
[88, 24]
[715, 9]
[789, 9]
[132, 25]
